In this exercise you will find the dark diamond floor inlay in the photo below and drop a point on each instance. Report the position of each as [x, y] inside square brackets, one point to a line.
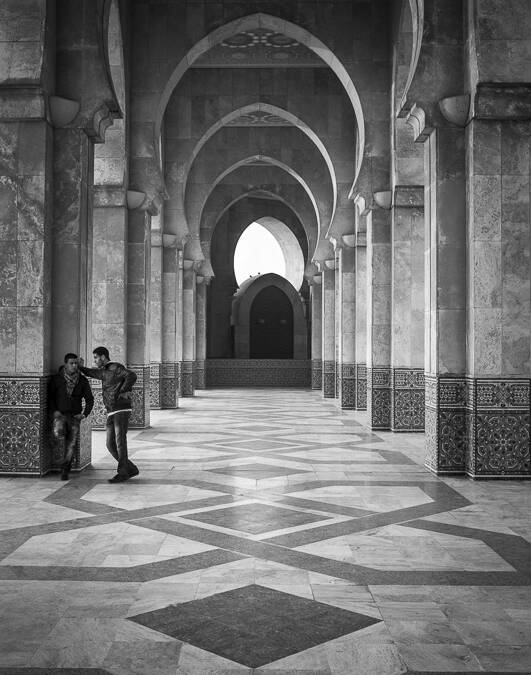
[255, 518]
[254, 625]
[257, 471]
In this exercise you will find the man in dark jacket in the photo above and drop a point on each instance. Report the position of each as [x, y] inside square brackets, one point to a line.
[65, 392]
[117, 383]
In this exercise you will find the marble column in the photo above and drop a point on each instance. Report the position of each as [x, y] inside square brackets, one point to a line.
[337, 324]
[138, 290]
[379, 319]
[26, 219]
[361, 320]
[407, 327]
[445, 299]
[171, 330]
[317, 331]
[189, 327]
[179, 320]
[109, 274]
[200, 331]
[328, 326]
[155, 320]
[499, 282]
[347, 323]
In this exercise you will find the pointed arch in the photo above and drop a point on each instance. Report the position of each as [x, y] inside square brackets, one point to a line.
[292, 30]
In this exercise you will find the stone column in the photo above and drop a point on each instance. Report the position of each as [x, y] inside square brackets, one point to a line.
[499, 282]
[407, 335]
[200, 331]
[171, 318]
[317, 331]
[337, 324]
[138, 290]
[328, 325]
[347, 323]
[155, 320]
[26, 197]
[109, 275]
[379, 319]
[179, 321]
[361, 321]
[445, 299]
[189, 309]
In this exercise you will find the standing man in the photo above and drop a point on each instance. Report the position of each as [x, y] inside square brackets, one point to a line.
[66, 390]
[117, 383]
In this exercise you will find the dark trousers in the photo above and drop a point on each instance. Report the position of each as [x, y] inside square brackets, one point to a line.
[66, 432]
[116, 428]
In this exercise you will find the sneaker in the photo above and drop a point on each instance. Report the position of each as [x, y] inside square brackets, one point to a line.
[118, 479]
[134, 472]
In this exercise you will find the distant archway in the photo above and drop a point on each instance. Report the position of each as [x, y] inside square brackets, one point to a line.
[271, 325]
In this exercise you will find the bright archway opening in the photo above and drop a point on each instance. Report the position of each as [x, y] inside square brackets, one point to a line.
[265, 246]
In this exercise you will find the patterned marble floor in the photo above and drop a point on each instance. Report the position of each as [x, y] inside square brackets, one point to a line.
[267, 533]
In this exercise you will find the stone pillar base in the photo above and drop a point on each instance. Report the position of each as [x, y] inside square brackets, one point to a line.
[361, 386]
[140, 398]
[199, 374]
[347, 394]
[407, 399]
[329, 379]
[498, 426]
[445, 421]
[317, 374]
[187, 378]
[379, 397]
[154, 386]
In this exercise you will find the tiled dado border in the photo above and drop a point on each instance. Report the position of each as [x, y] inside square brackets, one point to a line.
[187, 378]
[258, 373]
[478, 426]
[26, 443]
[199, 374]
[361, 386]
[407, 399]
[329, 379]
[379, 397]
[498, 428]
[164, 385]
[347, 390]
[317, 374]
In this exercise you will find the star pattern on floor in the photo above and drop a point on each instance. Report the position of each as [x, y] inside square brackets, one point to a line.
[267, 532]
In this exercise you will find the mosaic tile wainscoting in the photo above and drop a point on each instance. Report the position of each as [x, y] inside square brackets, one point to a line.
[269, 532]
[379, 397]
[329, 379]
[24, 426]
[164, 385]
[187, 378]
[317, 374]
[361, 386]
[348, 386]
[141, 396]
[199, 374]
[258, 373]
[498, 425]
[446, 433]
[407, 399]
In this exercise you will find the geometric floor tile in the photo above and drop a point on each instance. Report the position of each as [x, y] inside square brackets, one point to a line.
[255, 518]
[254, 625]
[345, 455]
[256, 444]
[257, 471]
[378, 498]
[132, 495]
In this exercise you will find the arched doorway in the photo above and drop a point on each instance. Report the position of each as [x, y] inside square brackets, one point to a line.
[271, 330]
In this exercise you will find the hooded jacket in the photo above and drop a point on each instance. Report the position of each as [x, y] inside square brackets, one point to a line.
[58, 398]
[116, 380]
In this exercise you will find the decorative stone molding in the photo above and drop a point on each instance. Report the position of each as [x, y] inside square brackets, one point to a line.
[100, 122]
[416, 118]
[379, 397]
[187, 264]
[349, 240]
[258, 373]
[317, 279]
[317, 374]
[383, 199]
[455, 109]
[330, 264]
[407, 399]
[329, 379]
[445, 422]
[63, 111]
[495, 101]
[135, 199]
[499, 425]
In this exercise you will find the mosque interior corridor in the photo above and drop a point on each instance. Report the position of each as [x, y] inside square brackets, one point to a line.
[267, 533]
